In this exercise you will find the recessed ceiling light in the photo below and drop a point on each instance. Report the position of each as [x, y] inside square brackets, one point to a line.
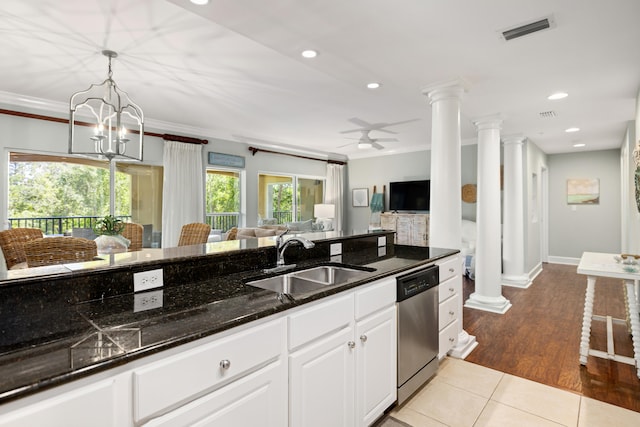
[200, 2]
[373, 85]
[557, 95]
[578, 145]
[309, 53]
[572, 130]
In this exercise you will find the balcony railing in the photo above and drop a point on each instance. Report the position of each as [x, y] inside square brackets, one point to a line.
[223, 220]
[59, 224]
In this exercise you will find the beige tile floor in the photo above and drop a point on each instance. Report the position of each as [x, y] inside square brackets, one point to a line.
[464, 394]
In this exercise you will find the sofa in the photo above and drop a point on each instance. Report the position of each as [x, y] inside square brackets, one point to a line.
[296, 227]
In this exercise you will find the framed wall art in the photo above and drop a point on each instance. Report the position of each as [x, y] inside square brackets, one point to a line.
[583, 191]
[360, 197]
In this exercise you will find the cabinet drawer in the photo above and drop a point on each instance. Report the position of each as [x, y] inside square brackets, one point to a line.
[450, 288]
[311, 323]
[448, 338]
[177, 379]
[449, 268]
[375, 297]
[449, 311]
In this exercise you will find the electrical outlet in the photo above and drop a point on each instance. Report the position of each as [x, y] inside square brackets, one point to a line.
[335, 249]
[147, 280]
[147, 300]
[382, 241]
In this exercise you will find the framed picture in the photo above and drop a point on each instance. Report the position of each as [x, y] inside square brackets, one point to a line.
[360, 197]
[583, 191]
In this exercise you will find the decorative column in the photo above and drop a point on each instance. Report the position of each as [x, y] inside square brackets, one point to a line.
[445, 215]
[445, 229]
[513, 265]
[488, 281]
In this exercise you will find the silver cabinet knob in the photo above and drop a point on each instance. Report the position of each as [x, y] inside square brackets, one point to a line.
[225, 364]
[452, 339]
[451, 270]
[363, 338]
[351, 344]
[451, 313]
[451, 289]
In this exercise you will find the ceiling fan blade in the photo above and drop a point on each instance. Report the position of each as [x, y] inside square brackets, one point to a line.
[376, 145]
[345, 145]
[385, 139]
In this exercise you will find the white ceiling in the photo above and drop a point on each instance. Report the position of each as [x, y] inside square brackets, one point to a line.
[233, 70]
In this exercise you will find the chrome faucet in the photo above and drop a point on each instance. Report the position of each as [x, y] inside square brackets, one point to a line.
[281, 247]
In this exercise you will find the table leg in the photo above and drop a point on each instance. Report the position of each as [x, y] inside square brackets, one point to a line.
[634, 318]
[586, 319]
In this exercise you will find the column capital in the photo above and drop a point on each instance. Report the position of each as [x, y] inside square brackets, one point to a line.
[446, 90]
[493, 121]
[518, 139]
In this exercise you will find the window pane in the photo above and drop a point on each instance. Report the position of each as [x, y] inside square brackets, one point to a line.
[222, 199]
[275, 198]
[58, 194]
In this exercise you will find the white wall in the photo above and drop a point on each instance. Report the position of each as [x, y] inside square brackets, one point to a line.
[574, 229]
[534, 200]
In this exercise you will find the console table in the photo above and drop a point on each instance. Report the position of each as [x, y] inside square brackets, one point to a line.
[594, 265]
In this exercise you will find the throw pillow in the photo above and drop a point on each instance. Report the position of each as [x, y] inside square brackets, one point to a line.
[243, 233]
[231, 234]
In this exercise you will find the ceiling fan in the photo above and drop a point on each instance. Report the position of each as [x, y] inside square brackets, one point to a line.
[366, 142]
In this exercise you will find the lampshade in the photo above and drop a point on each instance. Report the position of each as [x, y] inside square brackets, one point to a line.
[324, 210]
[104, 122]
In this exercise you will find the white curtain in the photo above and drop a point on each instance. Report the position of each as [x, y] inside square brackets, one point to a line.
[183, 189]
[335, 192]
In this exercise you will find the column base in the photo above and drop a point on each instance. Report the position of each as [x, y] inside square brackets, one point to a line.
[516, 281]
[466, 344]
[498, 305]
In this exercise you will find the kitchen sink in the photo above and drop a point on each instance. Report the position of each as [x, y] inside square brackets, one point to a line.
[309, 280]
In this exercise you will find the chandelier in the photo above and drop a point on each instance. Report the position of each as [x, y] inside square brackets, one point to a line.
[116, 124]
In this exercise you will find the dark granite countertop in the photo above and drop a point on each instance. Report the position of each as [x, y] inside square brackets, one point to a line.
[70, 341]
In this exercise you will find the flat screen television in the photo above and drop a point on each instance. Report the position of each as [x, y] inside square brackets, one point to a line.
[409, 195]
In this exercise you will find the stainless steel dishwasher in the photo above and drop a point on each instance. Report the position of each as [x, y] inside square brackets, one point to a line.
[417, 297]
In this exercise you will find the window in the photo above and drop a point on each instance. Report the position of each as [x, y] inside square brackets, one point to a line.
[223, 199]
[276, 201]
[60, 193]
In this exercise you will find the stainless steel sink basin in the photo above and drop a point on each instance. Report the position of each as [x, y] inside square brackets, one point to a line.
[303, 281]
[329, 274]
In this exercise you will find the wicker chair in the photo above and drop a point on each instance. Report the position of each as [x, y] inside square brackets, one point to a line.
[12, 242]
[194, 234]
[59, 250]
[133, 232]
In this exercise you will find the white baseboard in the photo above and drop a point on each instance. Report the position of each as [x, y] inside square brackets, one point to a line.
[563, 260]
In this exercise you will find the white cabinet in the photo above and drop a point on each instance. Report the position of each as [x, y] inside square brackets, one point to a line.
[411, 229]
[101, 404]
[222, 381]
[343, 373]
[254, 400]
[450, 303]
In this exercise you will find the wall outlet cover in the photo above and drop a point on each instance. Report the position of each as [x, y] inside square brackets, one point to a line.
[147, 280]
[382, 241]
[147, 300]
[335, 249]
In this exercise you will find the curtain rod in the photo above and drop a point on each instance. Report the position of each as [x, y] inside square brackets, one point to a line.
[66, 121]
[255, 150]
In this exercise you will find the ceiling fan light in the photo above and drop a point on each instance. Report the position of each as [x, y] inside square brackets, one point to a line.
[557, 95]
[309, 53]
[364, 145]
[373, 85]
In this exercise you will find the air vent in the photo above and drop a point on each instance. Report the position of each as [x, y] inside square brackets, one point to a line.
[529, 28]
[548, 114]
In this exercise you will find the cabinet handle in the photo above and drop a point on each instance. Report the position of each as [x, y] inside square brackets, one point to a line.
[451, 270]
[363, 338]
[451, 313]
[351, 344]
[451, 289]
[225, 364]
[452, 339]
